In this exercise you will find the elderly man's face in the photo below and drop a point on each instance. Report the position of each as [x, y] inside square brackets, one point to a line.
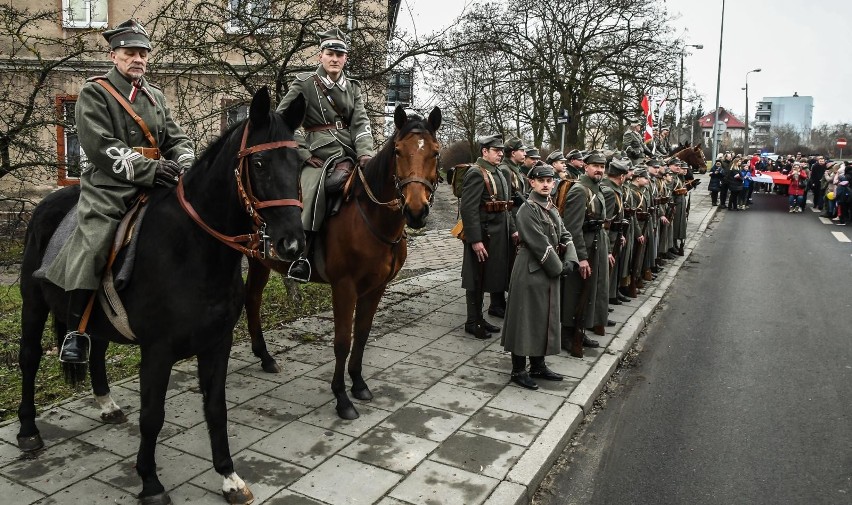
[595, 171]
[131, 62]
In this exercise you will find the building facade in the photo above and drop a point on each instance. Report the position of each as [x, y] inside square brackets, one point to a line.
[794, 112]
[734, 132]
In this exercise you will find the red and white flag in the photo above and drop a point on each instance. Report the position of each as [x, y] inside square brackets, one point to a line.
[649, 119]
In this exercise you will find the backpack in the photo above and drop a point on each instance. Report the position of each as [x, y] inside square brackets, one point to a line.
[455, 177]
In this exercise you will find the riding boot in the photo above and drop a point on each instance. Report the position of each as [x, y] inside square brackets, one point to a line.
[680, 249]
[539, 370]
[473, 324]
[75, 345]
[300, 270]
[498, 304]
[520, 376]
[338, 176]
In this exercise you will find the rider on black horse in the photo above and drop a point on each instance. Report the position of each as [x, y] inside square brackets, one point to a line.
[124, 156]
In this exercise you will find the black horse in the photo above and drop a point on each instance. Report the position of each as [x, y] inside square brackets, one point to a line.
[186, 290]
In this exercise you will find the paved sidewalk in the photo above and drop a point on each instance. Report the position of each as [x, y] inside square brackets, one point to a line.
[445, 427]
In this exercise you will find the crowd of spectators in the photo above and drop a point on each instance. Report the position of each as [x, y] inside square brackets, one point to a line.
[733, 181]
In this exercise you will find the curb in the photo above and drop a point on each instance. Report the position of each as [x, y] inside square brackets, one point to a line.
[519, 486]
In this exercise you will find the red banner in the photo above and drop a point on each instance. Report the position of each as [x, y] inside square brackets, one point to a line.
[649, 119]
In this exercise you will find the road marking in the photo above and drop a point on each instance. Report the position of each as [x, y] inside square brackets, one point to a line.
[815, 210]
[840, 236]
[825, 220]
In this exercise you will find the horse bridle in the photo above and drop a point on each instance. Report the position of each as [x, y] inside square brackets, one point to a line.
[258, 242]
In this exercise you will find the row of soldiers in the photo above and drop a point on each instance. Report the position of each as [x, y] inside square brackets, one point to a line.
[622, 220]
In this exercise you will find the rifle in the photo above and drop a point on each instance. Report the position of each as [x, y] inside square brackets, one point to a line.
[480, 290]
[580, 313]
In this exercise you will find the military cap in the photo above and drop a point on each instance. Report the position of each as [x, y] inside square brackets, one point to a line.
[335, 40]
[682, 164]
[654, 163]
[516, 144]
[672, 161]
[634, 122]
[541, 171]
[618, 167]
[555, 156]
[595, 157]
[575, 155]
[490, 141]
[128, 34]
[665, 129]
[532, 152]
[640, 171]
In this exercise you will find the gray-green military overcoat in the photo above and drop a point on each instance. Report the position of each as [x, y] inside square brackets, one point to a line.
[353, 141]
[494, 229]
[114, 172]
[632, 145]
[650, 226]
[614, 199]
[577, 202]
[680, 211]
[532, 323]
[632, 200]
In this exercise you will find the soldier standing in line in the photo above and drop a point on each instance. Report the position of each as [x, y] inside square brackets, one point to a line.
[531, 159]
[681, 194]
[650, 194]
[632, 201]
[490, 236]
[576, 166]
[584, 216]
[337, 134]
[632, 142]
[514, 153]
[532, 326]
[613, 191]
[557, 160]
[663, 146]
[639, 184]
[123, 159]
[666, 232]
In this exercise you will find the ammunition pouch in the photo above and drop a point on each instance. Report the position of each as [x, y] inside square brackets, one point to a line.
[497, 206]
[642, 216]
[629, 212]
[592, 225]
[607, 225]
[152, 153]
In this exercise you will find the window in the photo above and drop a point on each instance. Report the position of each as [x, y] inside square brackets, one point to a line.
[233, 111]
[84, 13]
[400, 88]
[247, 16]
[70, 158]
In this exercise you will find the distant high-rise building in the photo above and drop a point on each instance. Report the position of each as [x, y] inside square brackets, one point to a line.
[794, 111]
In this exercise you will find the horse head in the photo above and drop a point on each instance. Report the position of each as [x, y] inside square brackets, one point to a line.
[272, 177]
[698, 163]
[416, 151]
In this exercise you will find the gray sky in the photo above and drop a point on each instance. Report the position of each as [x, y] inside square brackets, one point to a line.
[796, 44]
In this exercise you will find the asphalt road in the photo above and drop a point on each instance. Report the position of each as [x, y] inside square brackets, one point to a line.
[741, 392]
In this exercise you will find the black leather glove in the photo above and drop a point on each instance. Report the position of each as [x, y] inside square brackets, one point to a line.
[568, 267]
[517, 201]
[167, 173]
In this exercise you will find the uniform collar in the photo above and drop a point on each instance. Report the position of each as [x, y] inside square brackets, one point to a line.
[127, 89]
[341, 82]
[484, 164]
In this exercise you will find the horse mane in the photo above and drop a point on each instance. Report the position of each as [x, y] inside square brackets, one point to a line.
[215, 148]
[376, 171]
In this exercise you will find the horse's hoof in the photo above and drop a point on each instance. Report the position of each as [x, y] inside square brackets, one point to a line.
[349, 413]
[30, 444]
[239, 496]
[270, 366]
[156, 499]
[362, 394]
[114, 417]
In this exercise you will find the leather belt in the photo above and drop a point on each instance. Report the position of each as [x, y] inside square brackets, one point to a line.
[498, 206]
[152, 153]
[337, 125]
[629, 212]
[642, 216]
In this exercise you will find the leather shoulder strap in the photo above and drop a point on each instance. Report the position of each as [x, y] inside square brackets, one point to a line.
[328, 97]
[489, 182]
[126, 105]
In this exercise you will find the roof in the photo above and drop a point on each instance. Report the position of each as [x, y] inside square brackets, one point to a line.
[730, 120]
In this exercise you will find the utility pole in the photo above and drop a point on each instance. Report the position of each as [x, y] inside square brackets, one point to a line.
[718, 86]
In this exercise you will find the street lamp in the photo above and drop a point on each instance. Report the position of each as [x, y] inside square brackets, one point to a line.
[745, 144]
[718, 86]
[680, 90]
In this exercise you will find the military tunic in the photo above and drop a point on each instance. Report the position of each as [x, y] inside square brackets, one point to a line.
[532, 323]
[614, 200]
[585, 199]
[633, 145]
[114, 172]
[650, 228]
[353, 138]
[494, 229]
[632, 201]
[679, 226]
[517, 181]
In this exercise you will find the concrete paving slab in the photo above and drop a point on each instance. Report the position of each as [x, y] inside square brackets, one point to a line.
[242, 388]
[506, 426]
[23, 495]
[424, 422]
[287, 497]
[365, 484]
[453, 398]
[196, 440]
[267, 413]
[264, 475]
[123, 439]
[56, 425]
[304, 391]
[325, 372]
[390, 449]
[315, 354]
[290, 369]
[387, 395]
[478, 454]
[409, 374]
[178, 381]
[434, 483]
[381, 358]
[481, 379]
[85, 493]
[326, 417]
[174, 468]
[508, 493]
[424, 330]
[459, 342]
[302, 444]
[399, 342]
[523, 401]
[59, 466]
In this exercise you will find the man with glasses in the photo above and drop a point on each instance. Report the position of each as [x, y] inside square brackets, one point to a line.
[489, 233]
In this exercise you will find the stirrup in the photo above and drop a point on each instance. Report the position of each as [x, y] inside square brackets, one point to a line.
[76, 335]
[307, 266]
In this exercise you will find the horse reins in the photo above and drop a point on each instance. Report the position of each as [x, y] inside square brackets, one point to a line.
[258, 240]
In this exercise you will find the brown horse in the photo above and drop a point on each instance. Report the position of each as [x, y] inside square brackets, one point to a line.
[364, 246]
[694, 156]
